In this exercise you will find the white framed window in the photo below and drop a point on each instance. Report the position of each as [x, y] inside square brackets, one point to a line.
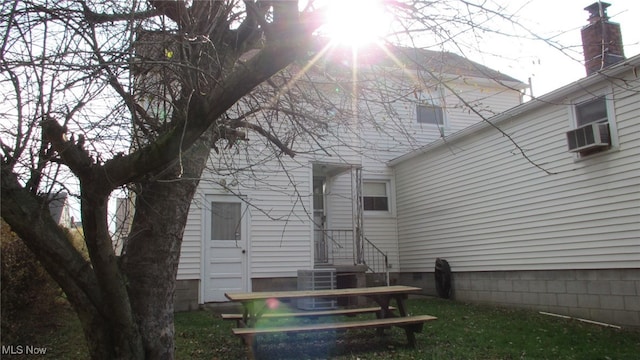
[430, 108]
[375, 196]
[591, 111]
[430, 114]
[593, 124]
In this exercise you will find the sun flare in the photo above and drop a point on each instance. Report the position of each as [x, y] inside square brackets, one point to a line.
[356, 22]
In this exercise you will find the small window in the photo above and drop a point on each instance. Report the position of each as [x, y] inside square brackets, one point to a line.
[374, 196]
[430, 114]
[594, 128]
[592, 111]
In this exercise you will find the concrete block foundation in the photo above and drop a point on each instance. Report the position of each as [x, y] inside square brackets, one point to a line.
[611, 296]
[186, 295]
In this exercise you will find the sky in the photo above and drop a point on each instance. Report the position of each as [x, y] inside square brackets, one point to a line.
[547, 67]
[514, 53]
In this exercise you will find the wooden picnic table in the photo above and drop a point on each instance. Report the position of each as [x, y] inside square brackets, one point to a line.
[256, 304]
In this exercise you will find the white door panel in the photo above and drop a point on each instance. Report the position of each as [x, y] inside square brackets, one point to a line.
[225, 247]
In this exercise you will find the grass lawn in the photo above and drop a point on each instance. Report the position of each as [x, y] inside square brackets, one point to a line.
[462, 331]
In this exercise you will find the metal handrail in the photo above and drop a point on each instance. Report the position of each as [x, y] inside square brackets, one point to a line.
[330, 236]
[374, 258]
[374, 263]
[339, 241]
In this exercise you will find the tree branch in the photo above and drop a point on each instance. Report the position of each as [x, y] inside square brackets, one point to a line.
[99, 18]
[72, 154]
[174, 10]
[284, 148]
[29, 216]
[204, 109]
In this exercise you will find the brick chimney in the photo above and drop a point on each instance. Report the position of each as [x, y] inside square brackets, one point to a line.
[601, 39]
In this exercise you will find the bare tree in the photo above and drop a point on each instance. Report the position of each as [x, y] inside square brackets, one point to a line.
[106, 95]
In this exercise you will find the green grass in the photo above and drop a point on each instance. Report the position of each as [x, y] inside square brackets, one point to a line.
[462, 331]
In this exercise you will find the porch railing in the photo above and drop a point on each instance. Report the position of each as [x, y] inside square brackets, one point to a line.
[336, 246]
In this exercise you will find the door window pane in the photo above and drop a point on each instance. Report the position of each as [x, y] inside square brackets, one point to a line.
[225, 221]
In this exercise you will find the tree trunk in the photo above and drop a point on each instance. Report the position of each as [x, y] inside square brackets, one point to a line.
[30, 218]
[152, 252]
[125, 304]
[126, 341]
[136, 323]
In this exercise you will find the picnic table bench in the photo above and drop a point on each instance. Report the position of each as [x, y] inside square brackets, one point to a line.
[308, 314]
[257, 305]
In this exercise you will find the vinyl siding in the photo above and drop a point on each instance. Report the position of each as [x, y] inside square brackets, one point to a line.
[391, 136]
[394, 137]
[481, 205]
[280, 227]
[278, 189]
[189, 266]
[382, 231]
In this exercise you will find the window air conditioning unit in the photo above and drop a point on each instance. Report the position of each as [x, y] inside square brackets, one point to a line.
[591, 136]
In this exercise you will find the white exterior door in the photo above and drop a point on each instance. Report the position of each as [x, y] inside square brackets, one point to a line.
[225, 245]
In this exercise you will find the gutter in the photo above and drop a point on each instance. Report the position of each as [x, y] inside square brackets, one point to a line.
[629, 64]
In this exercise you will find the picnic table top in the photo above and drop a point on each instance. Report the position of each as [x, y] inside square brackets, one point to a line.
[295, 294]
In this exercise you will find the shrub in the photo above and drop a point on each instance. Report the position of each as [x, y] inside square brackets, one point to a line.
[27, 291]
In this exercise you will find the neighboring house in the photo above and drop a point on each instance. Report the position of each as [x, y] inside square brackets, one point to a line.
[566, 241]
[255, 229]
[59, 209]
[123, 218]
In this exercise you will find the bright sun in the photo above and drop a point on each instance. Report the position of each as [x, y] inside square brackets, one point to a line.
[356, 22]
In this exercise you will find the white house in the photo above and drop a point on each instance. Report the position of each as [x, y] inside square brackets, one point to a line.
[534, 204]
[557, 230]
[254, 229]
[59, 209]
